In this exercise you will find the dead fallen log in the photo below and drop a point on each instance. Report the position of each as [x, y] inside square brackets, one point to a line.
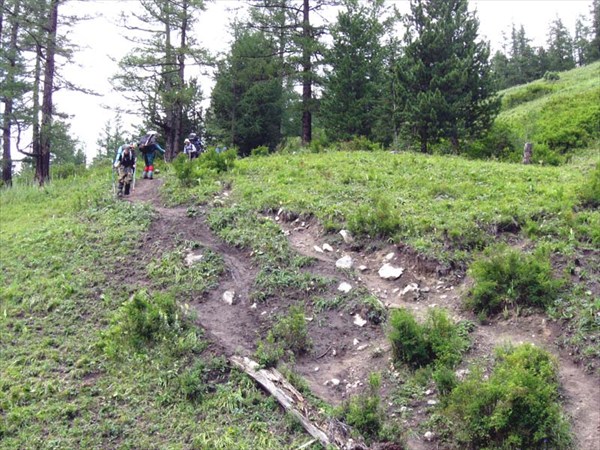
[330, 433]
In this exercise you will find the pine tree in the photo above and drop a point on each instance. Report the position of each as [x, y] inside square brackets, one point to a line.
[560, 47]
[153, 74]
[445, 74]
[594, 54]
[352, 91]
[246, 100]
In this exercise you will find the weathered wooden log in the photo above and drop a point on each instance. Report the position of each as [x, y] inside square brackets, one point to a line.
[335, 434]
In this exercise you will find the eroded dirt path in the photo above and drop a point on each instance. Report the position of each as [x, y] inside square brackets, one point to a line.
[344, 354]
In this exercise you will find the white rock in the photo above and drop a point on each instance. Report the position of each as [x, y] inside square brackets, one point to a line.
[362, 268]
[411, 287]
[389, 272]
[335, 381]
[355, 342]
[229, 297]
[359, 321]
[344, 262]
[389, 256]
[192, 259]
[327, 248]
[429, 436]
[360, 348]
[432, 402]
[333, 352]
[348, 239]
[318, 249]
[254, 306]
[316, 369]
[344, 287]
[428, 392]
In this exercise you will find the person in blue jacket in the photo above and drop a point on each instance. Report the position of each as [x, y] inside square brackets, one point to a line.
[148, 146]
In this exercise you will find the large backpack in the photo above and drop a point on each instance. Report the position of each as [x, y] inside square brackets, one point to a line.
[146, 141]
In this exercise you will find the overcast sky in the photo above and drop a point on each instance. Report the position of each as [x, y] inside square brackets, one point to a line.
[101, 41]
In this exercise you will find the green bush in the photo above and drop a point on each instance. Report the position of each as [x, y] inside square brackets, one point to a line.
[288, 334]
[407, 339]
[358, 144]
[530, 92]
[208, 164]
[62, 171]
[143, 320]
[590, 191]
[516, 407]
[438, 340]
[499, 142]
[376, 218]
[363, 412]
[505, 277]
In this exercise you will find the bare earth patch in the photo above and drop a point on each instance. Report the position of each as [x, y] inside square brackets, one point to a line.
[344, 353]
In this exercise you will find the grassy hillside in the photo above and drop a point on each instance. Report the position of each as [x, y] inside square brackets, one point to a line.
[71, 372]
[556, 116]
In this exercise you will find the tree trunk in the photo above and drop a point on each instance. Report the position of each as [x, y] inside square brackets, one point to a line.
[306, 77]
[8, 100]
[42, 172]
[35, 118]
[330, 433]
[527, 153]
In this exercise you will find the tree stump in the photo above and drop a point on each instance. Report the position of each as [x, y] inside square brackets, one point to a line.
[527, 153]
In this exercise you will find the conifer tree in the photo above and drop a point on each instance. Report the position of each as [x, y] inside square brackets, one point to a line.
[353, 87]
[246, 100]
[560, 47]
[153, 75]
[445, 74]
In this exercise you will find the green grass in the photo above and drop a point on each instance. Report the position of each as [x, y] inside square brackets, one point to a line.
[63, 248]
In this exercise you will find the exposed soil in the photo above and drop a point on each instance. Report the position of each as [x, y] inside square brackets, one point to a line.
[343, 350]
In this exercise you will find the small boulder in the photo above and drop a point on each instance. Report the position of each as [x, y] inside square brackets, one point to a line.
[344, 287]
[229, 297]
[389, 272]
[359, 321]
[327, 248]
[344, 262]
[348, 239]
[192, 259]
[318, 249]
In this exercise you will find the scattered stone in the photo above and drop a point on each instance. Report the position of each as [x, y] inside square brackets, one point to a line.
[318, 249]
[344, 287]
[389, 256]
[327, 248]
[316, 369]
[229, 297]
[411, 287]
[254, 306]
[389, 272]
[348, 239]
[359, 321]
[425, 289]
[432, 402]
[335, 382]
[428, 392]
[429, 436]
[333, 352]
[362, 268]
[360, 348]
[355, 342]
[404, 409]
[344, 262]
[192, 259]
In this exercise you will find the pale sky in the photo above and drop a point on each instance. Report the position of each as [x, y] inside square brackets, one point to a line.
[100, 40]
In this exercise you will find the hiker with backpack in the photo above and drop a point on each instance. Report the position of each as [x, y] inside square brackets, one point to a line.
[148, 146]
[196, 142]
[125, 165]
[190, 149]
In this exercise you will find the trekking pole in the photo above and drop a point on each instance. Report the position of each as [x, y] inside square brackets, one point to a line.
[113, 182]
[133, 185]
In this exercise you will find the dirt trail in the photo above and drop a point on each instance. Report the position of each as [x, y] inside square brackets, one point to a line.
[344, 354]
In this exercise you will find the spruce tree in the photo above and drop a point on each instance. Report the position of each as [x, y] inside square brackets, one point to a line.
[448, 92]
[560, 47]
[352, 88]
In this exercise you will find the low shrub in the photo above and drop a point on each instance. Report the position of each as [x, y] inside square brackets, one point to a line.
[376, 218]
[288, 334]
[505, 277]
[438, 340]
[363, 412]
[515, 407]
[262, 150]
[531, 92]
[144, 319]
[62, 171]
[209, 164]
